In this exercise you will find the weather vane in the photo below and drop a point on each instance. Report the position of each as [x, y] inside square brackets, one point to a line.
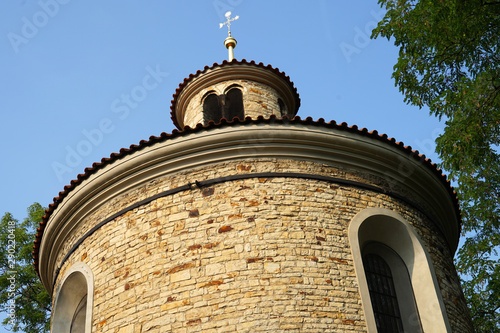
[229, 42]
[228, 22]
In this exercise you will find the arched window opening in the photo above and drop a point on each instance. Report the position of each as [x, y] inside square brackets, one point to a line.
[382, 239]
[211, 109]
[228, 106]
[282, 106]
[233, 104]
[73, 301]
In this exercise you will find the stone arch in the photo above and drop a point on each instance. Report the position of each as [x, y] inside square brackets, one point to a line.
[231, 86]
[74, 301]
[392, 230]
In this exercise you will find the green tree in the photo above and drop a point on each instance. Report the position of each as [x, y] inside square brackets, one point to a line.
[449, 61]
[21, 292]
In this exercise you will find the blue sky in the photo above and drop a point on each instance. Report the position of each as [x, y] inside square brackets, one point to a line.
[66, 64]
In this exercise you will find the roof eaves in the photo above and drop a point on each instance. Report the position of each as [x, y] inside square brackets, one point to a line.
[96, 166]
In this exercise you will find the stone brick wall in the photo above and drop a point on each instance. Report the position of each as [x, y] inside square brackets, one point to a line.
[260, 254]
[258, 100]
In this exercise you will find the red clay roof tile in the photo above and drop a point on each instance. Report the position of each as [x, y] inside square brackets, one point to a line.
[235, 122]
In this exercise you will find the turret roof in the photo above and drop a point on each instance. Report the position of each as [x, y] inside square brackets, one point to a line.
[226, 64]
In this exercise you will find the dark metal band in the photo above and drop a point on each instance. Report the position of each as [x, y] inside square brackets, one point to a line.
[210, 182]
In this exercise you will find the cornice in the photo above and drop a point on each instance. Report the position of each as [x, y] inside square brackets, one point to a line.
[329, 143]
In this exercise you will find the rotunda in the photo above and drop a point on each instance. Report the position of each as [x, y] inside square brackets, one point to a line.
[250, 219]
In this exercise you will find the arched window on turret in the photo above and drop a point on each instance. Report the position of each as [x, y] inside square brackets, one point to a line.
[228, 105]
[211, 108]
[234, 104]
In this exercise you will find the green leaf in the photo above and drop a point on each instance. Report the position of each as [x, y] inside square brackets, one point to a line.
[449, 61]
[21, 292]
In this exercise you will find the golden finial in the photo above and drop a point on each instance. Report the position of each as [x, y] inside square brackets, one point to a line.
[229, 42]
